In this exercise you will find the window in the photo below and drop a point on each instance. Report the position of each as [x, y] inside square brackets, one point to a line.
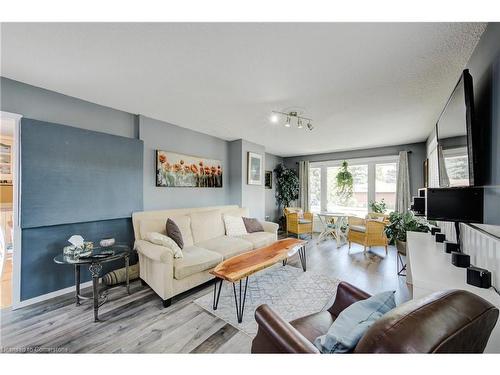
[315, 189]
[358, 203]
[385, 184]
[373, 179]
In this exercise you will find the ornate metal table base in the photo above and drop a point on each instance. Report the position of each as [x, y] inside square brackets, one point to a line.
[99, 297]
[240, 297]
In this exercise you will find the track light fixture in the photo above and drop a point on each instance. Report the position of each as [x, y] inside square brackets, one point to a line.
[289, 117]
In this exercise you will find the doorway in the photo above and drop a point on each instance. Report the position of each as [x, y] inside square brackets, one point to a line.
[9, 223]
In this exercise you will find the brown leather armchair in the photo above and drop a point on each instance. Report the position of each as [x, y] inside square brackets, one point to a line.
[452, 321]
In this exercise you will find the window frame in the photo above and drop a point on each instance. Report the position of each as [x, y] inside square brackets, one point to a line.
[371, 162]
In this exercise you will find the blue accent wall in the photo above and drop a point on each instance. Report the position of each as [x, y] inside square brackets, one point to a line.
[71, 175]
[73, 181]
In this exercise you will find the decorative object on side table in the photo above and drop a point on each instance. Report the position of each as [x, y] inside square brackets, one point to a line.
[107, 242]
[94, 261]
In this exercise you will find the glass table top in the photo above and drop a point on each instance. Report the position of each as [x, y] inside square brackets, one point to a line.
[98, 255]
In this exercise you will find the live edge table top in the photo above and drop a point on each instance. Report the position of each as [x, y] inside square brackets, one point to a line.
[246, 264]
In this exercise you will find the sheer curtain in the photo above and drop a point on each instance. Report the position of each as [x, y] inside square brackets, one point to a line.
[304, 185]
[403, 184]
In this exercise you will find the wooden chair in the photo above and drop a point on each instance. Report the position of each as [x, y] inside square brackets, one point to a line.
[297, 222]
[367, 232]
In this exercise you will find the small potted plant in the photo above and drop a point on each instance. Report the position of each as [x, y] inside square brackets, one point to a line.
[399, 224]
[378, 207]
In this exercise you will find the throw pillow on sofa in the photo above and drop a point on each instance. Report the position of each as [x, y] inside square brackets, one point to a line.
[162, 240]
[174, 233]
[252, 225]
[234, 225]
[353, 322]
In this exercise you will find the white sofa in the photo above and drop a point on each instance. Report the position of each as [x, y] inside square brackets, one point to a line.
[205, 245]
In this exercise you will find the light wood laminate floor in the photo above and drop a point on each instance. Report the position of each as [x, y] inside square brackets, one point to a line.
[139, 324]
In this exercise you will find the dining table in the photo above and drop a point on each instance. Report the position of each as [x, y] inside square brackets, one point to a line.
[334, 225]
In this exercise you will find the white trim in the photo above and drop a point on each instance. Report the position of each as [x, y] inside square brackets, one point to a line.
[356, 161]
[57, 293]
[16, 209]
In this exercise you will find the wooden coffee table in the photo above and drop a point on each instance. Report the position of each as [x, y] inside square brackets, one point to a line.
[241, 266]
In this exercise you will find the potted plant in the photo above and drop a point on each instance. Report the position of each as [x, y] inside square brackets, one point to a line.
[378, 207]
[287, 187]
[344, 184]
[399, 224]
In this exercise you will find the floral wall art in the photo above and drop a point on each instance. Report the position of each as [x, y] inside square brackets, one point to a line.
[178, 170]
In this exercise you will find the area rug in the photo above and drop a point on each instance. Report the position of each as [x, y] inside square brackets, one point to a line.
[291, 292]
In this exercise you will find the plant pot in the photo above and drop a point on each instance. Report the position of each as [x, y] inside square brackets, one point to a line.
[401, 247]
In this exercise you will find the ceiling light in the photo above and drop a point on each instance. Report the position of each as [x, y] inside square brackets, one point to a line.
[291, 115]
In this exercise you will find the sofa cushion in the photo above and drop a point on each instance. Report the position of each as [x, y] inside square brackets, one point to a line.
[206, 225]
[234, 225]
[195, 259]
[357, 228]
[174, 233]
[260, 239]
[227, 246]
[353, 322]
[252, 225]
[162, 240]
[184, 224]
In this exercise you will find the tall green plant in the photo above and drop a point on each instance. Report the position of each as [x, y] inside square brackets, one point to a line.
[344, 184]
[287, 186]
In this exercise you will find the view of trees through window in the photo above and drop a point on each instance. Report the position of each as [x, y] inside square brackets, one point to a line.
[358, 203]
[385, 184]
[381, 185]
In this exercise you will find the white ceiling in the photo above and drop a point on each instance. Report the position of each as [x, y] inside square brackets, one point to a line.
[364, 84]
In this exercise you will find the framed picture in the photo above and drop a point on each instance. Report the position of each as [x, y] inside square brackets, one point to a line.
[268, 181]
[179, 170]
[426, 173]
[254, 168]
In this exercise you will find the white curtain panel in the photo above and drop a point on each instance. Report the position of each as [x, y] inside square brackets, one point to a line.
[304, 185]
[403, 184]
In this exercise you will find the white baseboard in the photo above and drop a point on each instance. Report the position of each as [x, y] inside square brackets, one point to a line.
[44, 297]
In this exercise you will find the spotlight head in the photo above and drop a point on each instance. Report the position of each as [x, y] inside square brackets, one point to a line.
[310, 126]
[274, 118]
[299, 123]
[287, 123]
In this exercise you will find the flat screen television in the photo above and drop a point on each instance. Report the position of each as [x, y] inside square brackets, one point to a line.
[458, 137]
[458, 204]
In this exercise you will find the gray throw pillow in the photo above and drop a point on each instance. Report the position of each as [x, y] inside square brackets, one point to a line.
[174, 233]
[252, 225]
[353, 322]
